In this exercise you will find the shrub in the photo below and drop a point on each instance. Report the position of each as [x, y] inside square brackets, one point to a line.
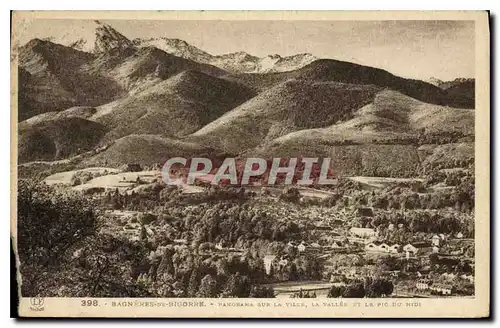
[147, 218]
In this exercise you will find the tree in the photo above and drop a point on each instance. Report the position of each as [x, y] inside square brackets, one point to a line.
[336, 291]
[231, 288]
[143, 234]
[378, 287]
[354, 290]
[262, 292]
[208, 287]
[49, 223]
[193, 285]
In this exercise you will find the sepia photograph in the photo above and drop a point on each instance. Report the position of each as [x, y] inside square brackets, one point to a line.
[284, 164]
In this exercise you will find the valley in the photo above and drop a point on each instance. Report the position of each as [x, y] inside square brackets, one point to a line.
[99, 116]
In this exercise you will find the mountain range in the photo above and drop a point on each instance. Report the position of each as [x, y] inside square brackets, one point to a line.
[155, 96]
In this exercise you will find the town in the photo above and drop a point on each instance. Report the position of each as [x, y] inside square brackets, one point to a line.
[288, 241]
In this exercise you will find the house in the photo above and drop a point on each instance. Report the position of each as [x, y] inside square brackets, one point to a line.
[131, 167]
[460, 235]
[442, 289]
[435, 249]
[313, 248]
[268, 262]
[363, 232]
[413, 249]
[376, 246]
[323, 227]
[448, 276]
[353, 273]
[220, 245]
[409, 248]
[204, 179]
[423, 284]
[423, 247]
[435, 240]
[394, 273]
[371, 247]
[337, 244]
[391, 227]
[468, 277]
[382, 247]
[302, 247]
[283, 262]
[394, 249]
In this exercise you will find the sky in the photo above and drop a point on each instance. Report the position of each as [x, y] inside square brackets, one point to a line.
[413, 49]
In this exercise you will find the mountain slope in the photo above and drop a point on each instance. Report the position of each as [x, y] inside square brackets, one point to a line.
[288, 107]
[176, 47]
[142, 67]
[37, 95]
[56, 79]
[391, 116]
[339, 71]
[84, 112]
[462, 92]
[176, 106]
[237, 62]
[145, 150]
[57, 138]
[53, 77]
[381, 138]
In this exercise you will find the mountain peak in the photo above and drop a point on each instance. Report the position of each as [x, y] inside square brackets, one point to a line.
[94, 37]
[107, 38]
[176, 47]
[239, 56]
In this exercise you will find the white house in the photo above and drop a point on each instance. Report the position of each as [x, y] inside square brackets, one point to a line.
[302, 247]
[283, 262]
[423, 284]
[371, 247]
[410, 248]
[219, 245]
[468, 277]
[268, 262]
[448, 276]
[394, 249]
[443, 289]
[363, 232]
[413, 249]
[379, 247]
[435, 240]
[460, 235]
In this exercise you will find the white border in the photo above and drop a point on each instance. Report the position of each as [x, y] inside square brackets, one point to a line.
[207, 5]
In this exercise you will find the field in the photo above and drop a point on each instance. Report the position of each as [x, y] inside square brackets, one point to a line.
[382, 182]
[285, 289]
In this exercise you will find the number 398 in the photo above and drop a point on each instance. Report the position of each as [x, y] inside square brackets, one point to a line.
[89, 303]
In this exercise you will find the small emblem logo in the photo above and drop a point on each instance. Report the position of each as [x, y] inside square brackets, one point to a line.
[36, 303]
